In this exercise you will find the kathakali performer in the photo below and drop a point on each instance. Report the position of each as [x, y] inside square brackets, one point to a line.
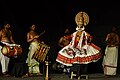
[80, 50]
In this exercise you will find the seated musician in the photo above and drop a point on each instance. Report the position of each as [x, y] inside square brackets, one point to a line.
[5, 37]
[34, 39]
[64, 41]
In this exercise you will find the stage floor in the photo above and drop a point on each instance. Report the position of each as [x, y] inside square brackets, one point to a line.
[96, 76]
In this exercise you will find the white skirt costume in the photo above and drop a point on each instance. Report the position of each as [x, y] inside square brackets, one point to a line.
[80, 54]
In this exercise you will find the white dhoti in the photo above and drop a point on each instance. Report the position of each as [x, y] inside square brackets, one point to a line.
[32, 63]
[110, 60]
[4, 61]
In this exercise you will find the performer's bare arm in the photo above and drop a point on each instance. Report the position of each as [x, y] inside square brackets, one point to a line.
[107, 37]
[29, 39]
[0, 35]
[118, 40]
[11, 38]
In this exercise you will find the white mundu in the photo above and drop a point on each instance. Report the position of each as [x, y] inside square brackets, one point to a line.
[4, 61]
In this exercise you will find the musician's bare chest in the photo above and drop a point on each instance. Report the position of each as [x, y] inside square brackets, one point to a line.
[5, 34]
[33, 33]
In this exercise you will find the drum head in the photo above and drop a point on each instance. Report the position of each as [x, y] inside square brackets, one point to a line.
[4, 50]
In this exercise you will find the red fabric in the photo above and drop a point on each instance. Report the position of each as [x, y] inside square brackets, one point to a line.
[96, 47]
[81, 60]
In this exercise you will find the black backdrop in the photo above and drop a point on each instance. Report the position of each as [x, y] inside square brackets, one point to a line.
[54, 16]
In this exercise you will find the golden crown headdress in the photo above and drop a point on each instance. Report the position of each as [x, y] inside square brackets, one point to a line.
[84, 16]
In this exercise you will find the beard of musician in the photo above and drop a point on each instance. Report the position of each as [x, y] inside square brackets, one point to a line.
[5, 37]
[33, 39]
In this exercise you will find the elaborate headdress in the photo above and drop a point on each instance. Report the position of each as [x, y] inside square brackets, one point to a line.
[82, 16]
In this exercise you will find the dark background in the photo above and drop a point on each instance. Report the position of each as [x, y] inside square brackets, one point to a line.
[54, 16]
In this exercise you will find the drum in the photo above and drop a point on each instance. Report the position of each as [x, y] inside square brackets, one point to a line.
[41, 52]
[11, 51]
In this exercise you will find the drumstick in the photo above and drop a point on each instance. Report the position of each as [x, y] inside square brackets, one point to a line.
[42, 33]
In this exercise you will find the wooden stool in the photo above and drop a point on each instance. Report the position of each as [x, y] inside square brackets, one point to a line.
[79, 70]
[86, 76]
[73, 74]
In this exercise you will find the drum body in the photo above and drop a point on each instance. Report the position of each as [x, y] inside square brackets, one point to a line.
[11, 51]
[41, 52]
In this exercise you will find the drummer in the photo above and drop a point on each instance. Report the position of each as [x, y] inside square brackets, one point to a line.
[5, 37]
[34, 39]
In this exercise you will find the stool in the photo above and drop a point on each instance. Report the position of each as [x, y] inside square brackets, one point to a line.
[75, 70]
[86, 76]
[73, 74]
[79, 70]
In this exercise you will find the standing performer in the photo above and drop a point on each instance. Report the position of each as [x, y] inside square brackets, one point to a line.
[80, 50]
[111, 53]
[5, 38]
[34, 40]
